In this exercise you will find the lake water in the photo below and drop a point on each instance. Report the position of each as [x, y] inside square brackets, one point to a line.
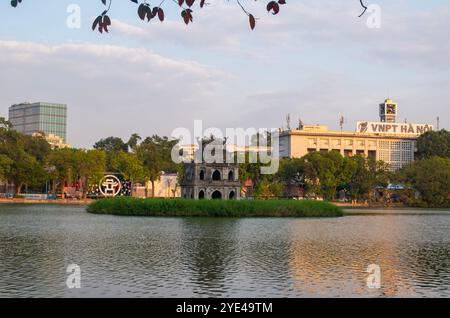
[206, 257]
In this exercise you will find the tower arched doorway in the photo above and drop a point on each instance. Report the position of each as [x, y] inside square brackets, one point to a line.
[216, 195]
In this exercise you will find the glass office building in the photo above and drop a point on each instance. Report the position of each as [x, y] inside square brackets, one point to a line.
[47, 118]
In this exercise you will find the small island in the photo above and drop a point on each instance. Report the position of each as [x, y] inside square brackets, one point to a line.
[128, 206]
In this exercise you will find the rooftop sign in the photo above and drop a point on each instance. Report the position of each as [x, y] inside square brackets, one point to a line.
[392, 128]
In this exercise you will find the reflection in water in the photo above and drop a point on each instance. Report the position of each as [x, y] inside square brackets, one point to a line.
[204, 257]
[327, 262]
[208, 249]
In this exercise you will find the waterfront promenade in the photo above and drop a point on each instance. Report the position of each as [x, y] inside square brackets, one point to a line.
[33, 201]
[89, 201]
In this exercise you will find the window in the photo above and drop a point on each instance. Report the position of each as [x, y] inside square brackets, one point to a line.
[216, 175]
[336, 142]
[312, 142]
[324, 142]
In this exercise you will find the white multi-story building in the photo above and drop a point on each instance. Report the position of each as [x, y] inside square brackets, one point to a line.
[387, 140]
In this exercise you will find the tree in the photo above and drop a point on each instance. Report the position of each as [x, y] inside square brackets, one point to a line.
[102, 23]
[133, 142]
[111, 144]
[128, 165]
[324, 172]
[25, 155]
[431, 179]
[37, 146]
[61, 167]
[292, 174]
[89, 167]
[5, 166]
[368, 174]
[252, 171]
[5, 124]
[267, 189]
[155, 155]
[434, 143]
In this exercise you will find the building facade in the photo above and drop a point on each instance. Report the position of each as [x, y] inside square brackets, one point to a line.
[210, 181]
[46, 118]
[55, 142]
[166, 187]
[387, 140]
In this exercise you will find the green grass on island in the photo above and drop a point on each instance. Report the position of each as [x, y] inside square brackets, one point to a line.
[213, 208]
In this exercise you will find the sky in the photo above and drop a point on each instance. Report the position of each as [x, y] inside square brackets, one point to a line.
[315, 60]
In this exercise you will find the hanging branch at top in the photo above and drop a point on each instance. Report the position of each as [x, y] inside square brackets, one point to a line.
[146, 12]
[364, 7]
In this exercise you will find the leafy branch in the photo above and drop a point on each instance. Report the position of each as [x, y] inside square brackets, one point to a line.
[146, 12]
[364, 7]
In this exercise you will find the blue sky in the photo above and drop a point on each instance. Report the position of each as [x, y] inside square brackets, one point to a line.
[316, 61]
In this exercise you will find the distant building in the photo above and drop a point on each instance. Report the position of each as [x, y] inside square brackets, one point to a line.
[166, 187]
[56, 142]
[47, 118]
[188, 152]
[387, 140]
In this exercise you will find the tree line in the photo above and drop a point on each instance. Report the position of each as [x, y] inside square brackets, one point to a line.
[423, 183]
[428, 178]
[320, 175]
[30, 164]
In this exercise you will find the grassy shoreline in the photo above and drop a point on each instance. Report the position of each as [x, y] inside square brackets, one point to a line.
[213, 208]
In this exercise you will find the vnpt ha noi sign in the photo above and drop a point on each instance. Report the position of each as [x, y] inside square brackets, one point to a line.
[393, 128]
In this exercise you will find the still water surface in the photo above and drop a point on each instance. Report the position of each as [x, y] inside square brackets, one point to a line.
[205, 257]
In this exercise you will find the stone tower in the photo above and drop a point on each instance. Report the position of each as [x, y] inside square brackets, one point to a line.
[210, 181]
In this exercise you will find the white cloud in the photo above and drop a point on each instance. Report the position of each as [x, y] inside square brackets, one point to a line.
[109, 89]
[406, 35]
[315, 60]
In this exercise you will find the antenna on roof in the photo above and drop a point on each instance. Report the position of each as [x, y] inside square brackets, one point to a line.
[300, 124]
[288, 122]
[341, 122]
